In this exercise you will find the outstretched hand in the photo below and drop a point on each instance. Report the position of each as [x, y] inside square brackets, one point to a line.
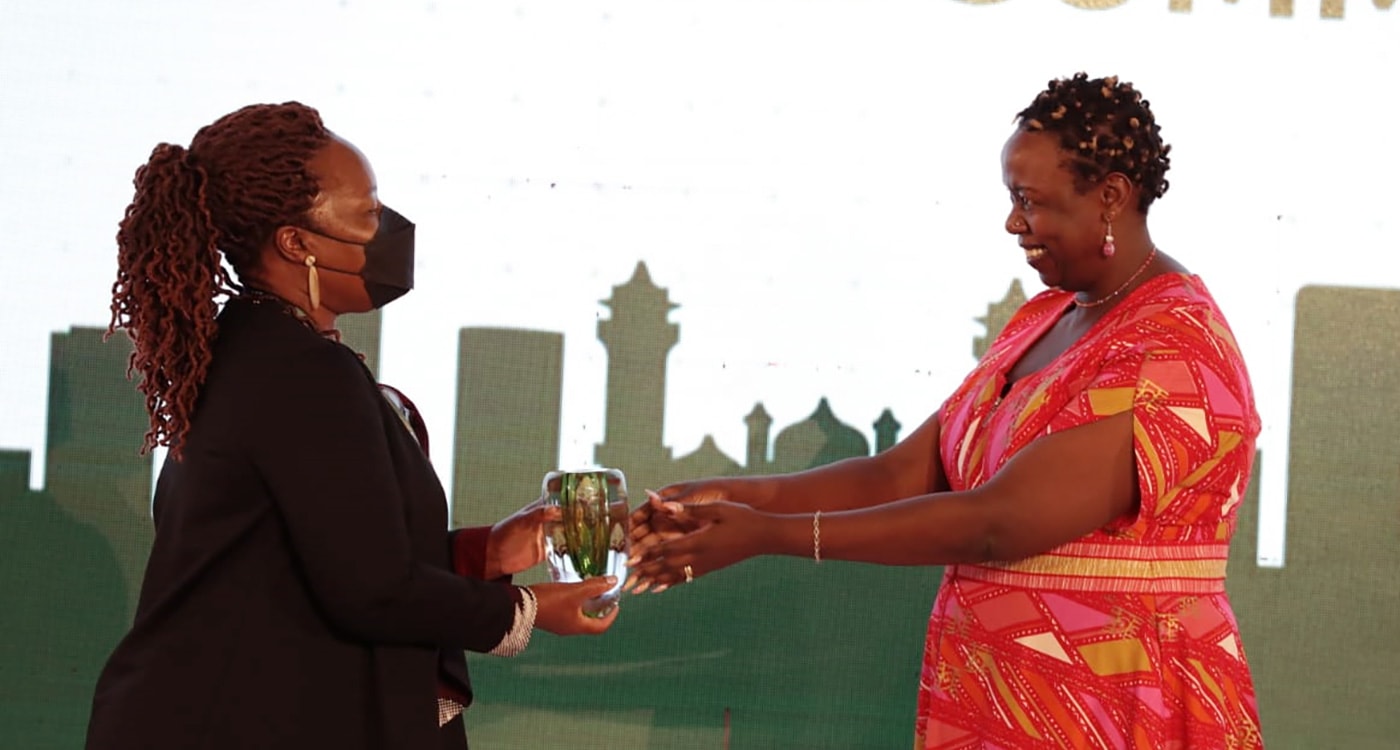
[684, 541]
[651, 524]
[656, 521]
[516, 542]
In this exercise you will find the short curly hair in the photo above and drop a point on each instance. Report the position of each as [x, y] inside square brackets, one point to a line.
[1106, 126]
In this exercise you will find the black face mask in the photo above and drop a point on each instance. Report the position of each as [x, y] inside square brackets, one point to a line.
[388, 271]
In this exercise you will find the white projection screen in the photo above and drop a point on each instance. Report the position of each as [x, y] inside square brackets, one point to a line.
[796, 207]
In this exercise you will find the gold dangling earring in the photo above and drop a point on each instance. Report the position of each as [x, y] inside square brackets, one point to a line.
[313, 283]
[1109, 246]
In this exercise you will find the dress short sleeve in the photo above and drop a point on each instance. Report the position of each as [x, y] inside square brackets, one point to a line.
[1193, 417]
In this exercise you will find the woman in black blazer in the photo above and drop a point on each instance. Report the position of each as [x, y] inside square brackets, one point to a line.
[303, 590]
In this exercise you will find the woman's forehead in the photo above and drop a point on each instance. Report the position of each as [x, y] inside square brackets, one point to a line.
[340, 169]
[1031, 155]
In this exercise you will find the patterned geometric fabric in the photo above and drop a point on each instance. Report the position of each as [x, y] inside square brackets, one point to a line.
[1123, 638]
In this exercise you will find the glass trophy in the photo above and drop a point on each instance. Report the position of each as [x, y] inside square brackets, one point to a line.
[591, 538]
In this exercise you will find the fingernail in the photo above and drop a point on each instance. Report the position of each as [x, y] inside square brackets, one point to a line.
[633, 560]
[661, 588]
[642, 587]
[612, 580]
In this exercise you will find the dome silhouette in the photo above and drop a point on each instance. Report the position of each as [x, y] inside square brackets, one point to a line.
[819, 439]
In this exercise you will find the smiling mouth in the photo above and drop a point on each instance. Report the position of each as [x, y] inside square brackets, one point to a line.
[1034, 253]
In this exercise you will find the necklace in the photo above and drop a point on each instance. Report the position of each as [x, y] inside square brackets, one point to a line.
[257, 296]
[1145, 263]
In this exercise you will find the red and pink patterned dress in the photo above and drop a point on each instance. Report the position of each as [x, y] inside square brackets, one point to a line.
[1123, 638]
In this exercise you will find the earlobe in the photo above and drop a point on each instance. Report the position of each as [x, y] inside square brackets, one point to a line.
[1110, 199]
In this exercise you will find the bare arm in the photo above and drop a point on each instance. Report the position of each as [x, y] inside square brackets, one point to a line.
[1057, 489]
[908, 468]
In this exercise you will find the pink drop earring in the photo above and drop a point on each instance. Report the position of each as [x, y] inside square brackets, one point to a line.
[1109, 248]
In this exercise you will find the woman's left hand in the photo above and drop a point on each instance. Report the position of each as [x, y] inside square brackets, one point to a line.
[517, 541]
[725, 533]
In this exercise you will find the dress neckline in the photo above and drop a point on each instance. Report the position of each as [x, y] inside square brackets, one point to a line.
[1004, 385]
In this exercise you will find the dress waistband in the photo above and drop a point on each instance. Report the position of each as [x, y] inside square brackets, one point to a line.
[1126, 567]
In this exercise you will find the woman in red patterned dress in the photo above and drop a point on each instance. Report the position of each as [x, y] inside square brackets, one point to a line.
[1081, 485]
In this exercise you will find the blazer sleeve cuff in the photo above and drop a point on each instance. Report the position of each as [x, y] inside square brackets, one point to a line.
[469, 551]
[518, 637]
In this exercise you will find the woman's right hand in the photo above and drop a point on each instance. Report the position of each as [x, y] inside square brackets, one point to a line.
[660, 519]
[652, 524]
[559, 606]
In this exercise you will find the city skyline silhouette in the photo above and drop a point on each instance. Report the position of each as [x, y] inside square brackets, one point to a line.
[734, 651]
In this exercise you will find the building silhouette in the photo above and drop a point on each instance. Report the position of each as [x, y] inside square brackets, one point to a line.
[886, 431]
[509, 390]
[14, 474]
[1321, 632]
[361, 332]
[756, 451]
[998, 315]
[71, 554]
[638, 338]
[819, 439]
[93, 467]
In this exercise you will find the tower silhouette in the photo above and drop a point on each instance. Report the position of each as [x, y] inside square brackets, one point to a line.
[998, 315]
[759, 423]
[886, 431]
[638, 338]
